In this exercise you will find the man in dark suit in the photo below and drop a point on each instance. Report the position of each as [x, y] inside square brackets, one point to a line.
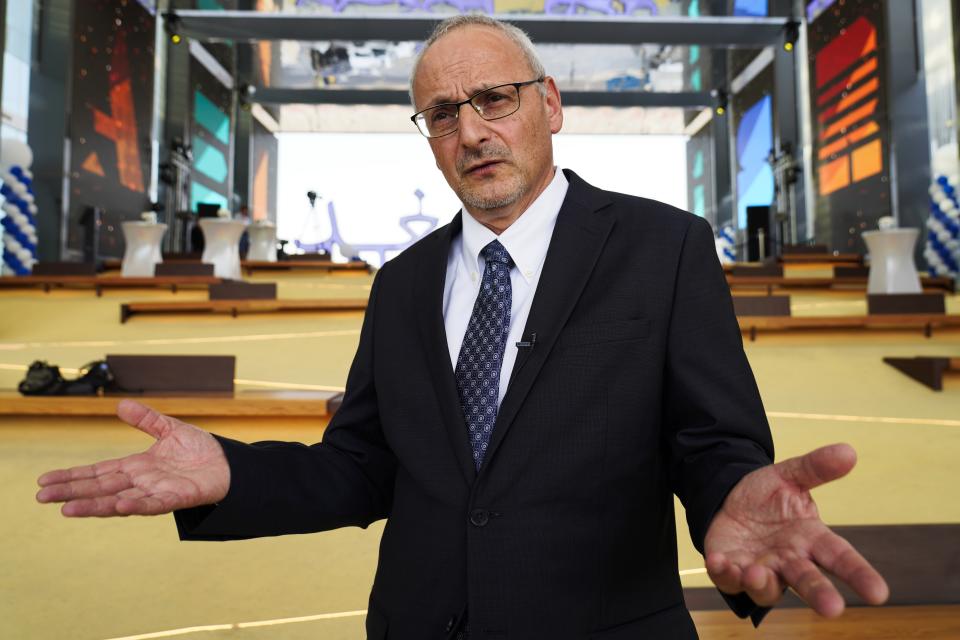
[533, 383]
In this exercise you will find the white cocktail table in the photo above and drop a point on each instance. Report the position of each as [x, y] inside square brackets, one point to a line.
[221, 246]
[142, 253]
[892, 269]
[263, 242]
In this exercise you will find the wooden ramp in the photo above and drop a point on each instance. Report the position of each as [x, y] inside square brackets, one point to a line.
[916, 322]
[249, 266]
[236, 307]
[99, 283]
[277, 403]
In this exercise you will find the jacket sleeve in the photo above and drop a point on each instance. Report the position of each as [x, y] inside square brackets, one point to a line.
[715, 424]
[279, 488]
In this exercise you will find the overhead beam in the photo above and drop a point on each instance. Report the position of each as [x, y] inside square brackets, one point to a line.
[708, 31]
[687, 100]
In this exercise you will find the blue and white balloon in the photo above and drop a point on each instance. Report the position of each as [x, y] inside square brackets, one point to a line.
[20, 220]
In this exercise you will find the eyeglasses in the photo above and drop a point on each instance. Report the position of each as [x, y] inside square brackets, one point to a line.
[490, 104]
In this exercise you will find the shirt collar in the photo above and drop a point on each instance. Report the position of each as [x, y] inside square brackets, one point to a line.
[526, 240]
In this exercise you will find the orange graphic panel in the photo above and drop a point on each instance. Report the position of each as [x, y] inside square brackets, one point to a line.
[862, 72]
[834, 175]
[850, 99]
[851, 118]
[260, 188]
[92, 164]
[867, 161]
[121, 125]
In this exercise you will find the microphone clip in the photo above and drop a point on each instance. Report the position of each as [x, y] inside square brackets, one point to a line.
[528, 344]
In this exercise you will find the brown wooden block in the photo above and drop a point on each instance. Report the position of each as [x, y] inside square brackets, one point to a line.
[235, 290]
[761, 305]
[763, 270]
[905, 303]
[159, 374]
[308, 257]
[64, 269]
[840, 272]
[183, 269]
[925, 370]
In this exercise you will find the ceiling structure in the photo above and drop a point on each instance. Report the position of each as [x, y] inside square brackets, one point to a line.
[311, 56]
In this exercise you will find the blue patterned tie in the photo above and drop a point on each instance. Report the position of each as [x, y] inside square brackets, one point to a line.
[481, 355]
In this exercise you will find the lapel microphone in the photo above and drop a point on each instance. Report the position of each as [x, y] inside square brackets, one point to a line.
[528, 344]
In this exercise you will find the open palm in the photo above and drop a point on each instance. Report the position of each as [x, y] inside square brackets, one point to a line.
[184, 468]
[768, 536]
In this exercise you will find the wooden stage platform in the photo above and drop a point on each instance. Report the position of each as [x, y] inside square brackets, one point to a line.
[857, 623]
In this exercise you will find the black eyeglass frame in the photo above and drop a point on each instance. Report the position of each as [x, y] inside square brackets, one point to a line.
[516, 85]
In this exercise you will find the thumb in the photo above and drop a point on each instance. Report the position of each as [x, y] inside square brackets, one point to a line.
[144, 418]
[819, 466]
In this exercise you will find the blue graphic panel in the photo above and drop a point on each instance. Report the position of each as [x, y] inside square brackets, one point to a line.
[209, 116]
[754, 141]
[750, 7]
[201, 194]
[209, 160]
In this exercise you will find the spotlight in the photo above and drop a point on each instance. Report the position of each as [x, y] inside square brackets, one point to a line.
[171, 25]
[720, 101]
[791, 32]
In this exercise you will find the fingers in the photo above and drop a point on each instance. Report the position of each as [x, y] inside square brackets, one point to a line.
[79, 473]
[813, 587]
[105, 485]
[838, 556]
[143, 418]
[819, 466]
[758, 581]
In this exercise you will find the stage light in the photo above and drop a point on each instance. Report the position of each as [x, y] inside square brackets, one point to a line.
[791, 32]
[719, 101]
[171, 24]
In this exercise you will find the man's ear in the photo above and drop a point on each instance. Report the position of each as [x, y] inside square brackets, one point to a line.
[552, 104]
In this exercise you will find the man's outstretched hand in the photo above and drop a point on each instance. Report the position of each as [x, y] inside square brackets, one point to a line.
[184, 468]
[769, 536]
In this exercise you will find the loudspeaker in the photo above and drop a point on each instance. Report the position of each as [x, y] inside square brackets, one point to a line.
[758, 220]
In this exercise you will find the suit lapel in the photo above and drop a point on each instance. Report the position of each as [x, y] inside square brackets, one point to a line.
[578, 238]
[428, 295]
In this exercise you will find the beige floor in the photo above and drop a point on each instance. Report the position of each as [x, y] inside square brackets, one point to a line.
[98, 579]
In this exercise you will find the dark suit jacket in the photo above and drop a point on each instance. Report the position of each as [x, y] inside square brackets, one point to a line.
[637, 388]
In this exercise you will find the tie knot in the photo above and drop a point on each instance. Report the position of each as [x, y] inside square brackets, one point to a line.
[496, 252]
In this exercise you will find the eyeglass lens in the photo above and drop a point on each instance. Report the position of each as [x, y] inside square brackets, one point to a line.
[491, 104]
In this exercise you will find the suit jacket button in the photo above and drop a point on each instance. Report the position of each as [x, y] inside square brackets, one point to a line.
[479, 517]
[452, 621]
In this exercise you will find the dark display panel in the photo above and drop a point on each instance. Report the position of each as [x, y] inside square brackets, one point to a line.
[848, 92]
[110, 121]
[701, 198]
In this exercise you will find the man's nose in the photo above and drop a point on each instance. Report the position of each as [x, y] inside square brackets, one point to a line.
[472, 129]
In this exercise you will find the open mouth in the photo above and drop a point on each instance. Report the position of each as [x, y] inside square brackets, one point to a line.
[483, 167]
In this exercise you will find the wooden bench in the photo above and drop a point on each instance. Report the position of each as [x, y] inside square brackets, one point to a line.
[924, 322]
[236, 307]
[99, 283]
[249, 266]
[247, 403]
[937, 283]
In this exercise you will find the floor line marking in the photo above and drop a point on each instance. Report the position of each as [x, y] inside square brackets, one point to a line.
[881, 419]
[241, 625]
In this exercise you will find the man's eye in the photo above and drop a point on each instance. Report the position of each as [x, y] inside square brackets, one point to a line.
[439, 116]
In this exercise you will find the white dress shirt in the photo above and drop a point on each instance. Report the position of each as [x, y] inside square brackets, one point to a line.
[526, 240]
